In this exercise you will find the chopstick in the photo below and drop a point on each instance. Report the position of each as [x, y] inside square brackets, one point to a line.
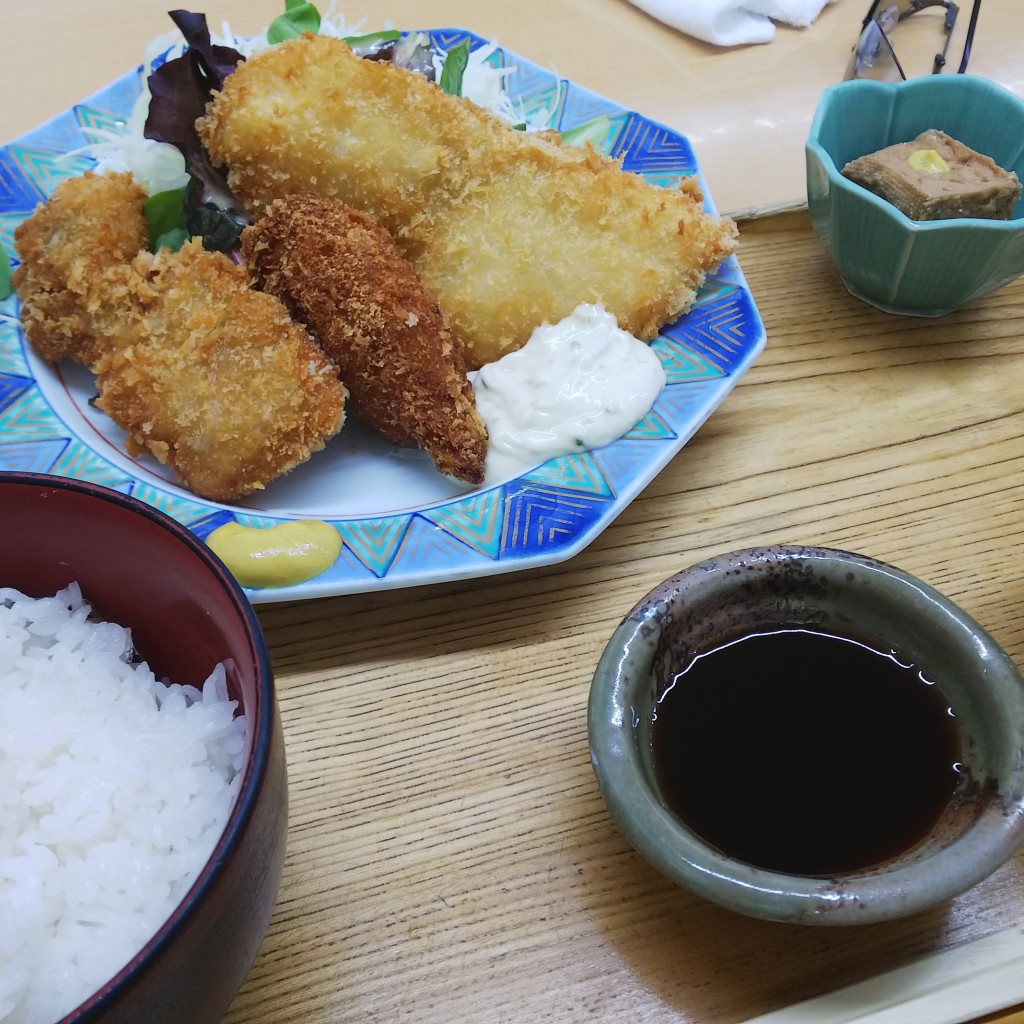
[1012, 1016]
[949, 987]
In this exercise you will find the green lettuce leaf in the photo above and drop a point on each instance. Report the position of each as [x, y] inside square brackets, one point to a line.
[165, 216]
[5, 274]
[454, 68]
[299, 16]
[372, 41]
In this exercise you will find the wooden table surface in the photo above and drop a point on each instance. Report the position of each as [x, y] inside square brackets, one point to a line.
[450, 856]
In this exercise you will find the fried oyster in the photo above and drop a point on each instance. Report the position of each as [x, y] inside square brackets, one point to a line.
[207, 374]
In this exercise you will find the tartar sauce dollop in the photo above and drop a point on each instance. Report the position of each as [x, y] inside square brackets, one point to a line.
[575, 385]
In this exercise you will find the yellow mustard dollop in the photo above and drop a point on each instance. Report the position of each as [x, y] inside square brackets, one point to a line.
[280, 556]
[927, 160]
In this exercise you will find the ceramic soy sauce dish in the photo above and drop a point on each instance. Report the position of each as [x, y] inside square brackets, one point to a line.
[809, 735]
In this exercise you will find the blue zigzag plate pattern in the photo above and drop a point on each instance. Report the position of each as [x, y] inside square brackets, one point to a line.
[400, 523]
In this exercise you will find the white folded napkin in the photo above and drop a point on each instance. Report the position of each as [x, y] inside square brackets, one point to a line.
[732, 22]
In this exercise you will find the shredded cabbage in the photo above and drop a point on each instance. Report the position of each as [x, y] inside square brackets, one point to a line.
[156, 166]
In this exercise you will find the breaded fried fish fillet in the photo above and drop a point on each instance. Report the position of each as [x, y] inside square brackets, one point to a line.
[213, 377]
[74, 252]
[339, 272]
[506, 229]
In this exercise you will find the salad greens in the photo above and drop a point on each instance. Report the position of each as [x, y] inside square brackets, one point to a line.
[5, 274]
[165, 217]
[175, 216]
[220, 229]
[454, 68]
[373, 40]
[180, 89]
[299, 16]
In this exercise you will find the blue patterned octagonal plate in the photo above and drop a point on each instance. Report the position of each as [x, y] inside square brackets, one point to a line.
[401, 524]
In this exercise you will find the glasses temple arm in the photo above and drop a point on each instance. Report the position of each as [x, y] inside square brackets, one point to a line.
[970, 36]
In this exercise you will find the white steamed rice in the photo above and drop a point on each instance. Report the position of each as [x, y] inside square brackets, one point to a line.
[114, 789]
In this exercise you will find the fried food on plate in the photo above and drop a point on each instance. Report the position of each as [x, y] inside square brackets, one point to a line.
[213, 377]
[506, 229]
[74, 252]
[340, 273]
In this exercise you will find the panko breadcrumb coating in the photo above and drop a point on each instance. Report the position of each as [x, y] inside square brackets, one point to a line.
[506, 229]
[214, 378]
[74, 252]
[340, 273]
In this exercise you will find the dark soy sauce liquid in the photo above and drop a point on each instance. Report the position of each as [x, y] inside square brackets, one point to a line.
[805, 753]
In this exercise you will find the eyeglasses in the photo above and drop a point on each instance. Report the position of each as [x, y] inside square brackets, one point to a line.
[874, 56]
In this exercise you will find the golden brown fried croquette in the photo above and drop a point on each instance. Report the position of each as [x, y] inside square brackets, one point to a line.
[340, 273]
[214, 378]
[210, 376]
[506, 229]
[74, 252]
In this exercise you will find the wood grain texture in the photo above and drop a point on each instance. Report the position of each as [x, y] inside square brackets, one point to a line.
[450, 857]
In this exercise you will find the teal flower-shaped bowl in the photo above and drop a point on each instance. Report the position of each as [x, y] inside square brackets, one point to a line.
[920, 268]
